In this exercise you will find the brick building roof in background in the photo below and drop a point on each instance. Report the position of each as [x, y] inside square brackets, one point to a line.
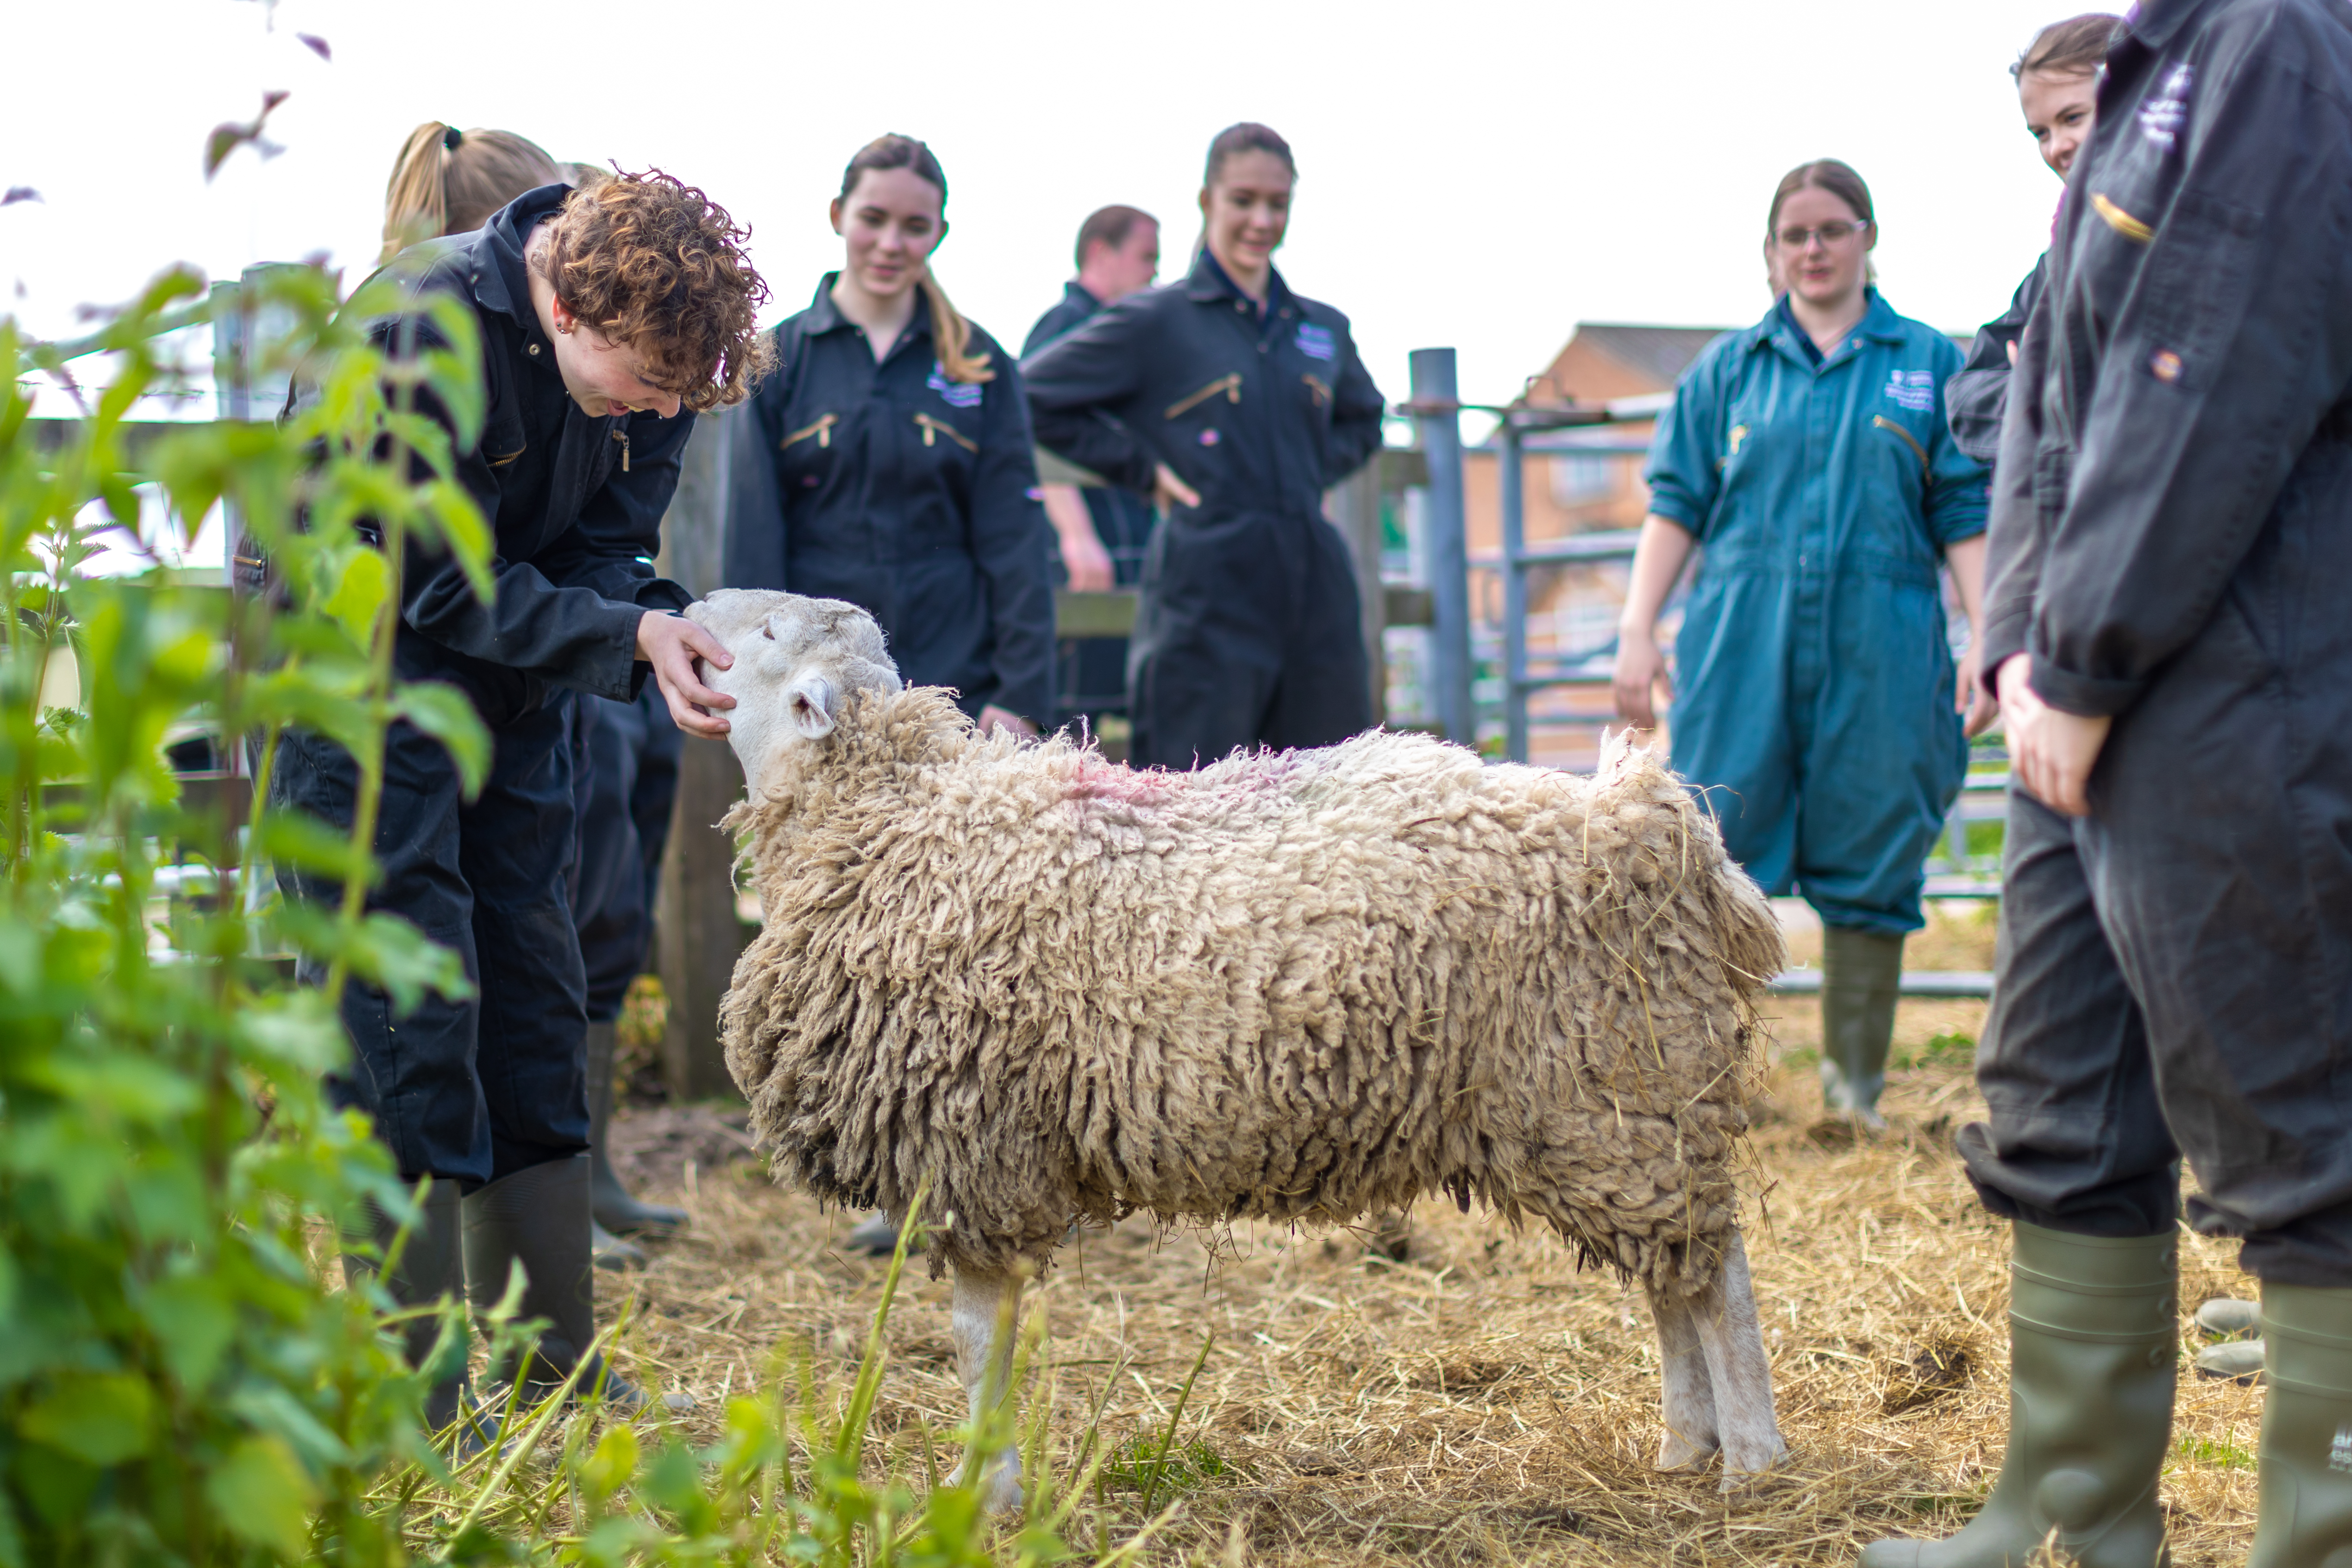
[1603, 359]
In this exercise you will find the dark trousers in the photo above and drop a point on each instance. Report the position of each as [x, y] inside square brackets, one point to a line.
[624, 761]
[2175, 971]
[473, 1090]
[1248, 633]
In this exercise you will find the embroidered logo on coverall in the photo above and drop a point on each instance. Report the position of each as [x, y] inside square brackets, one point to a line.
[2339, 1453]
[954, 394]
[1912, 389]
[2161, 117]
[1315, 342]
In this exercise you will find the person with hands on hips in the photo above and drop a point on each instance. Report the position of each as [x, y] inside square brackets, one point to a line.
[1234, 404]
[1819, 707]
[2171, 557]
[607, 319]
[905, 477]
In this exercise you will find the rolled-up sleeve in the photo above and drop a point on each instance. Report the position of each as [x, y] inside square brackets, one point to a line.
[1685, 468]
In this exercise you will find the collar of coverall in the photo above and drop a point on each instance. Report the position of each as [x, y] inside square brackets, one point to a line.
[1879, 324]
[1209, 283]
[2154, 22]
[496, 272]
[824, 316]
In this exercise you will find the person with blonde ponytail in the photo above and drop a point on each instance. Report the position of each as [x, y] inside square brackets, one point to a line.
[905, 477]
[448, 181]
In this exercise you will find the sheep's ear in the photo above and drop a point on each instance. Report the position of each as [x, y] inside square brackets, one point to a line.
[814, 706]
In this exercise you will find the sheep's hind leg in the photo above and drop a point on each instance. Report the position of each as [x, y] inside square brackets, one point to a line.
[1686, 1403]
[1737, 1369]
[986, 1307]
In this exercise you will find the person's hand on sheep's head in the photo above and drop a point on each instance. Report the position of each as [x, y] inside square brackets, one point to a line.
[676, 649]
[792, 665]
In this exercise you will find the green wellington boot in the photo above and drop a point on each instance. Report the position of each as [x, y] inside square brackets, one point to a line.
[617, 1210]
[2305, 1517]
[2091, 1335]
[1862, 976]
[538, 1216]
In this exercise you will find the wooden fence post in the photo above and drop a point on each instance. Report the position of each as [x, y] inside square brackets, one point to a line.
[697, 932]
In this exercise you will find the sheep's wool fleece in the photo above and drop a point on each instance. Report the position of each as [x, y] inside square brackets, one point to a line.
[1300, 986]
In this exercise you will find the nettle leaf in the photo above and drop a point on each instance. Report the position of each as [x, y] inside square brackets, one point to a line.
[193, 1320]
[447, 715]
[102, 1418]
[360, 594]
[293, 1029]
[291, 836]
[452, 509]
[264, 1497]
[382, 949]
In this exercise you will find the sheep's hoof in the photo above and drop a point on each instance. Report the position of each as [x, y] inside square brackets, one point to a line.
[1743, 1471]
[1004, 1492]
[1678, 1452]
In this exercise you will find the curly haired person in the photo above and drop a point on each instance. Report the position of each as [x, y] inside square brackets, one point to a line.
[608, 318]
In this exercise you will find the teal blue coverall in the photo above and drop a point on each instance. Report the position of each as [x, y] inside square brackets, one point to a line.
[1813, 681]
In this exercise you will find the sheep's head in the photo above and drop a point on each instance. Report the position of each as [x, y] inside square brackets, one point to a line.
[797, 661]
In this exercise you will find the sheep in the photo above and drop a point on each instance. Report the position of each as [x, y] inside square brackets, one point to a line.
[1301, 986]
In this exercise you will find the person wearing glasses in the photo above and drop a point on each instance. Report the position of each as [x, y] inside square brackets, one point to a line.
[1818, 708]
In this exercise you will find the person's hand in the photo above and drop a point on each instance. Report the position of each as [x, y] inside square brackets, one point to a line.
[2053, 752]
[1168, 492]
[1640, 680]
[2012, 347]
[993, 719]
[1971, 695]
[671, 643]
[1088, 563]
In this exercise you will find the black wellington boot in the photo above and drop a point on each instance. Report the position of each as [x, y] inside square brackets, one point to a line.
[2304, 1519]
[617, 1210]
[2092, 1331]
[538, 1216]
[431, 1268]
[1862, 976]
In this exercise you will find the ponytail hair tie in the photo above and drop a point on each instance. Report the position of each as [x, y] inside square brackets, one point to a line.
[452, 139]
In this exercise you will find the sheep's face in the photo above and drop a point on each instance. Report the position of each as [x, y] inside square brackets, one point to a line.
[797, 661]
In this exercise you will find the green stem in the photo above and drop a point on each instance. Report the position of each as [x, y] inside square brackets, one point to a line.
[1160, 1464]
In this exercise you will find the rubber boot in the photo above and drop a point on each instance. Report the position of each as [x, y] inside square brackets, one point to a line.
[615, 1209]
[431, 1268]
[2092, 1335]
[2303, 1518]
[1862, 974]
[538, 1216]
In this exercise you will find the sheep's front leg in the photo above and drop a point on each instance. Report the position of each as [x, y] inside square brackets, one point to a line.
[986, 1307]
[1687, 1399]
[1737, 1371]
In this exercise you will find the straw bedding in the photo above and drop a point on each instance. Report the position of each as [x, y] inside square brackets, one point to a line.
[1294, 987]
[1482, 1402]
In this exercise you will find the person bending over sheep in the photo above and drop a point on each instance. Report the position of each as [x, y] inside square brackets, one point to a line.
[1297, 986]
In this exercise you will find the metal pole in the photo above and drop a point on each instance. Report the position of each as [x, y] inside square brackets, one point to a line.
[1434, 387]
[1514, 598]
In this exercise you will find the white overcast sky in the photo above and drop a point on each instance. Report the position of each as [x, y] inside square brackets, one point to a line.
[1483, 177]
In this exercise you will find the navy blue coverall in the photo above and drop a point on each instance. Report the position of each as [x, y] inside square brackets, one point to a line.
[478, 1089]
[1976, 398]
[1248, 631]
[913, 496]
[2172, 546]
[1093, 670]
[1813, 700]
[624, 765]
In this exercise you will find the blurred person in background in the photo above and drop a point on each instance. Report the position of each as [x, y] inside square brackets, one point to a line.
[905, 474]
[606, 320]
[2058, 92]
[2171, 557]
[1814, 693]
[448, 181]
[1234, 404]
[1102, 530]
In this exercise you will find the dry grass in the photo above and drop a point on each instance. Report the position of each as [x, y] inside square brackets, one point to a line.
[1480, 1401]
